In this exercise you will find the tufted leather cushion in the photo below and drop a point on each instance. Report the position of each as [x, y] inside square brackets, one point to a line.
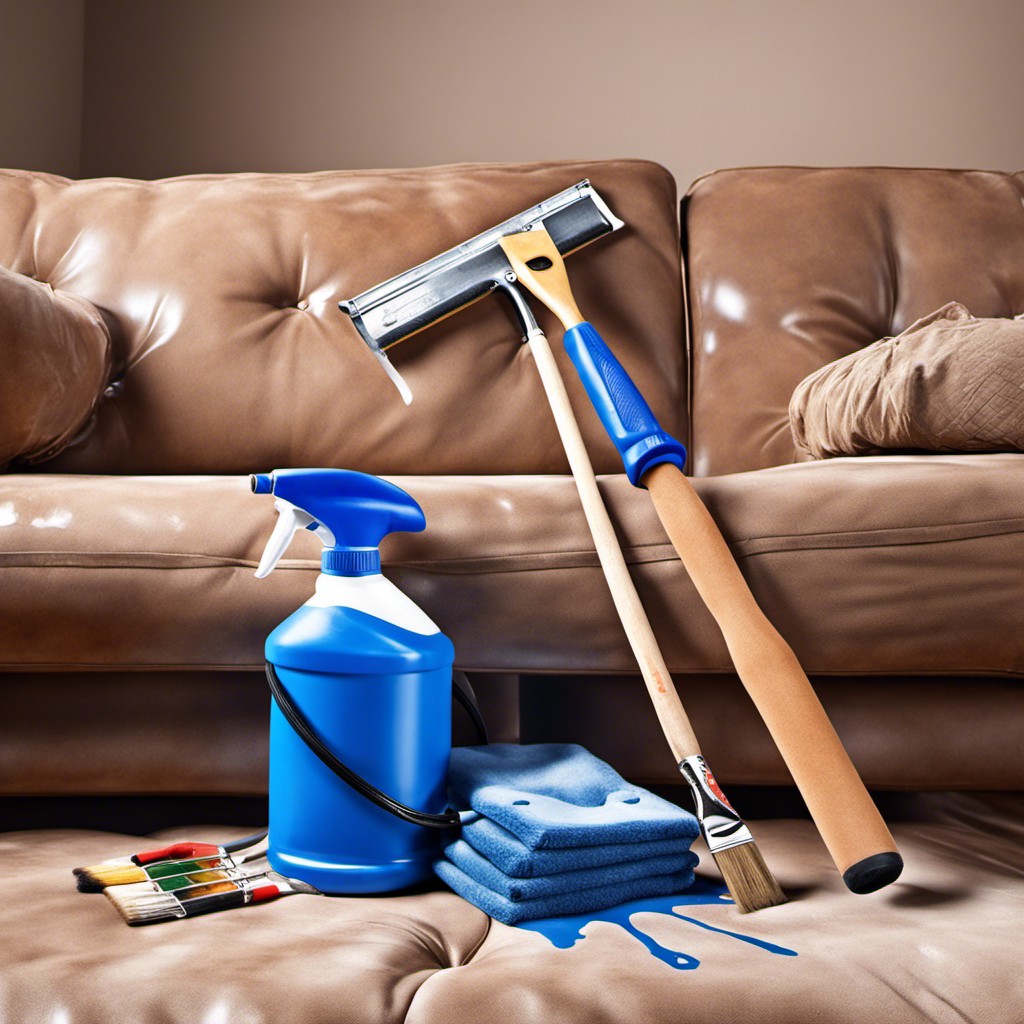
[54, 361]
[950, 382]
[940, 945]
[222, 294]
[790, 268]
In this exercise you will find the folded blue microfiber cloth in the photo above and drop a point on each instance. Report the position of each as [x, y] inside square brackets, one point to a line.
[479, 869]
[511, 857]
[548, 830]
[577, 901]
[559, 796]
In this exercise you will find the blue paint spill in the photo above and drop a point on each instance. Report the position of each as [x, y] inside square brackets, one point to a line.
[565, 932]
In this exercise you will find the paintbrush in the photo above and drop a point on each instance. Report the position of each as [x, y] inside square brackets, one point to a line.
[184, 879]
[178, 858]
[729, 839]
[151, 907]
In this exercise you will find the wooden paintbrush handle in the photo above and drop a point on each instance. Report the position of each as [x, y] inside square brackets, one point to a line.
[674, 722]
[844, 812]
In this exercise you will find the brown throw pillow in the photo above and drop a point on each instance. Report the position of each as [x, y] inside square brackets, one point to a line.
[54, 364]
[951, 382]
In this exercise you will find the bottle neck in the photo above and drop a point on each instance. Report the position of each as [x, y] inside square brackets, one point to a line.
[350, 561]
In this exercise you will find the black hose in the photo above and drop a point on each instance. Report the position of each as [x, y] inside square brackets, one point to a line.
[298, 721]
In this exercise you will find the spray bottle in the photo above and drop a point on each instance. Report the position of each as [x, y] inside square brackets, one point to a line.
[362, 679]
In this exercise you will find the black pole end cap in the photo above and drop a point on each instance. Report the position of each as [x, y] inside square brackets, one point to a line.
[874, 872]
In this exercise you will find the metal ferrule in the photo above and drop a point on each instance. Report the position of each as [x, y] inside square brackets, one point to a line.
[527, 321]
[723, 828]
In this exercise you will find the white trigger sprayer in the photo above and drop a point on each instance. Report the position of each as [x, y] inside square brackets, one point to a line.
[290, 519]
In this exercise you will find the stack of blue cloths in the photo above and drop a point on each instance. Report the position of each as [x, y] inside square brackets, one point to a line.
[549, 830]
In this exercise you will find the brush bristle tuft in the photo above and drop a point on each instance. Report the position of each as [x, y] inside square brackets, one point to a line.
[145, 908]
[101, 875]
[748, 878]
[132, 889]
[87, 878]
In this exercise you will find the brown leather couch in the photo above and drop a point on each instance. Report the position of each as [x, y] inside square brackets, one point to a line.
[161, 340]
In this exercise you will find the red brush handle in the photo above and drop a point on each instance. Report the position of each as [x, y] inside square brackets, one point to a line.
[177, 851]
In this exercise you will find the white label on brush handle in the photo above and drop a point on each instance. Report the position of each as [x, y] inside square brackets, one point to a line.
[723, 828]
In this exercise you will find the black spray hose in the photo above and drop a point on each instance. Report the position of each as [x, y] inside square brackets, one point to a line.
[295, 718]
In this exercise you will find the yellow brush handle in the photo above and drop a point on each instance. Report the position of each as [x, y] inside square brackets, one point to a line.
[844, 812]
[674, 723]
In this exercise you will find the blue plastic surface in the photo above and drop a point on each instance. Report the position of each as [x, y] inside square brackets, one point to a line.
[359, 509]
[351, 642]
[632, 426]
[380, 697]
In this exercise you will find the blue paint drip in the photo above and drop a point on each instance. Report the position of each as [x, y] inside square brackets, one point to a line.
[565, 932]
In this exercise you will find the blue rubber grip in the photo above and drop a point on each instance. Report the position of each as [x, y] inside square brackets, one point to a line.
[626, 416]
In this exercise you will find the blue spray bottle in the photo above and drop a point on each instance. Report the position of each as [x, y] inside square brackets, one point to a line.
[359, 670]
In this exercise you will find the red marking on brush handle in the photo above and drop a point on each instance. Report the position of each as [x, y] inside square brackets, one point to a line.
[177, 851]
[713, 783]
[265, 892]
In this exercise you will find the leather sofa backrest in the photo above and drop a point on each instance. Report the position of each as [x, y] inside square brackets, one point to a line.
[790, 268]
[230, 354]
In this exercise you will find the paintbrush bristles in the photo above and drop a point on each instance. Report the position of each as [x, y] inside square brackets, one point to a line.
[748, 878]
[145, 909]
[104, 864]
[99, 877]
[86, 878]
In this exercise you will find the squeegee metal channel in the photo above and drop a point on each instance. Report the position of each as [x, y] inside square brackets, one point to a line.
[390, 290]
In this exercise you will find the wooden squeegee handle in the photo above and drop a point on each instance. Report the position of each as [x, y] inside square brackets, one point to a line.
[854, 832]
[674, 722]
[843, 810]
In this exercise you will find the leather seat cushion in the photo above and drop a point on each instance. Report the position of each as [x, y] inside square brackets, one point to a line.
[792, 267]
[941, 944]
[876, 565]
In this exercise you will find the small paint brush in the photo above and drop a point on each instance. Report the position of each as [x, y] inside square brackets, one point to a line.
[204, 898]
[184, 880]
[165, 870]
[178, 857]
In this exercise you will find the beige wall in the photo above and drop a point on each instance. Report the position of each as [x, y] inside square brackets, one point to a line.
[218, 85]
[41, 84]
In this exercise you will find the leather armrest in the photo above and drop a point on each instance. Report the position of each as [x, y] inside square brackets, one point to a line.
[55, 355]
